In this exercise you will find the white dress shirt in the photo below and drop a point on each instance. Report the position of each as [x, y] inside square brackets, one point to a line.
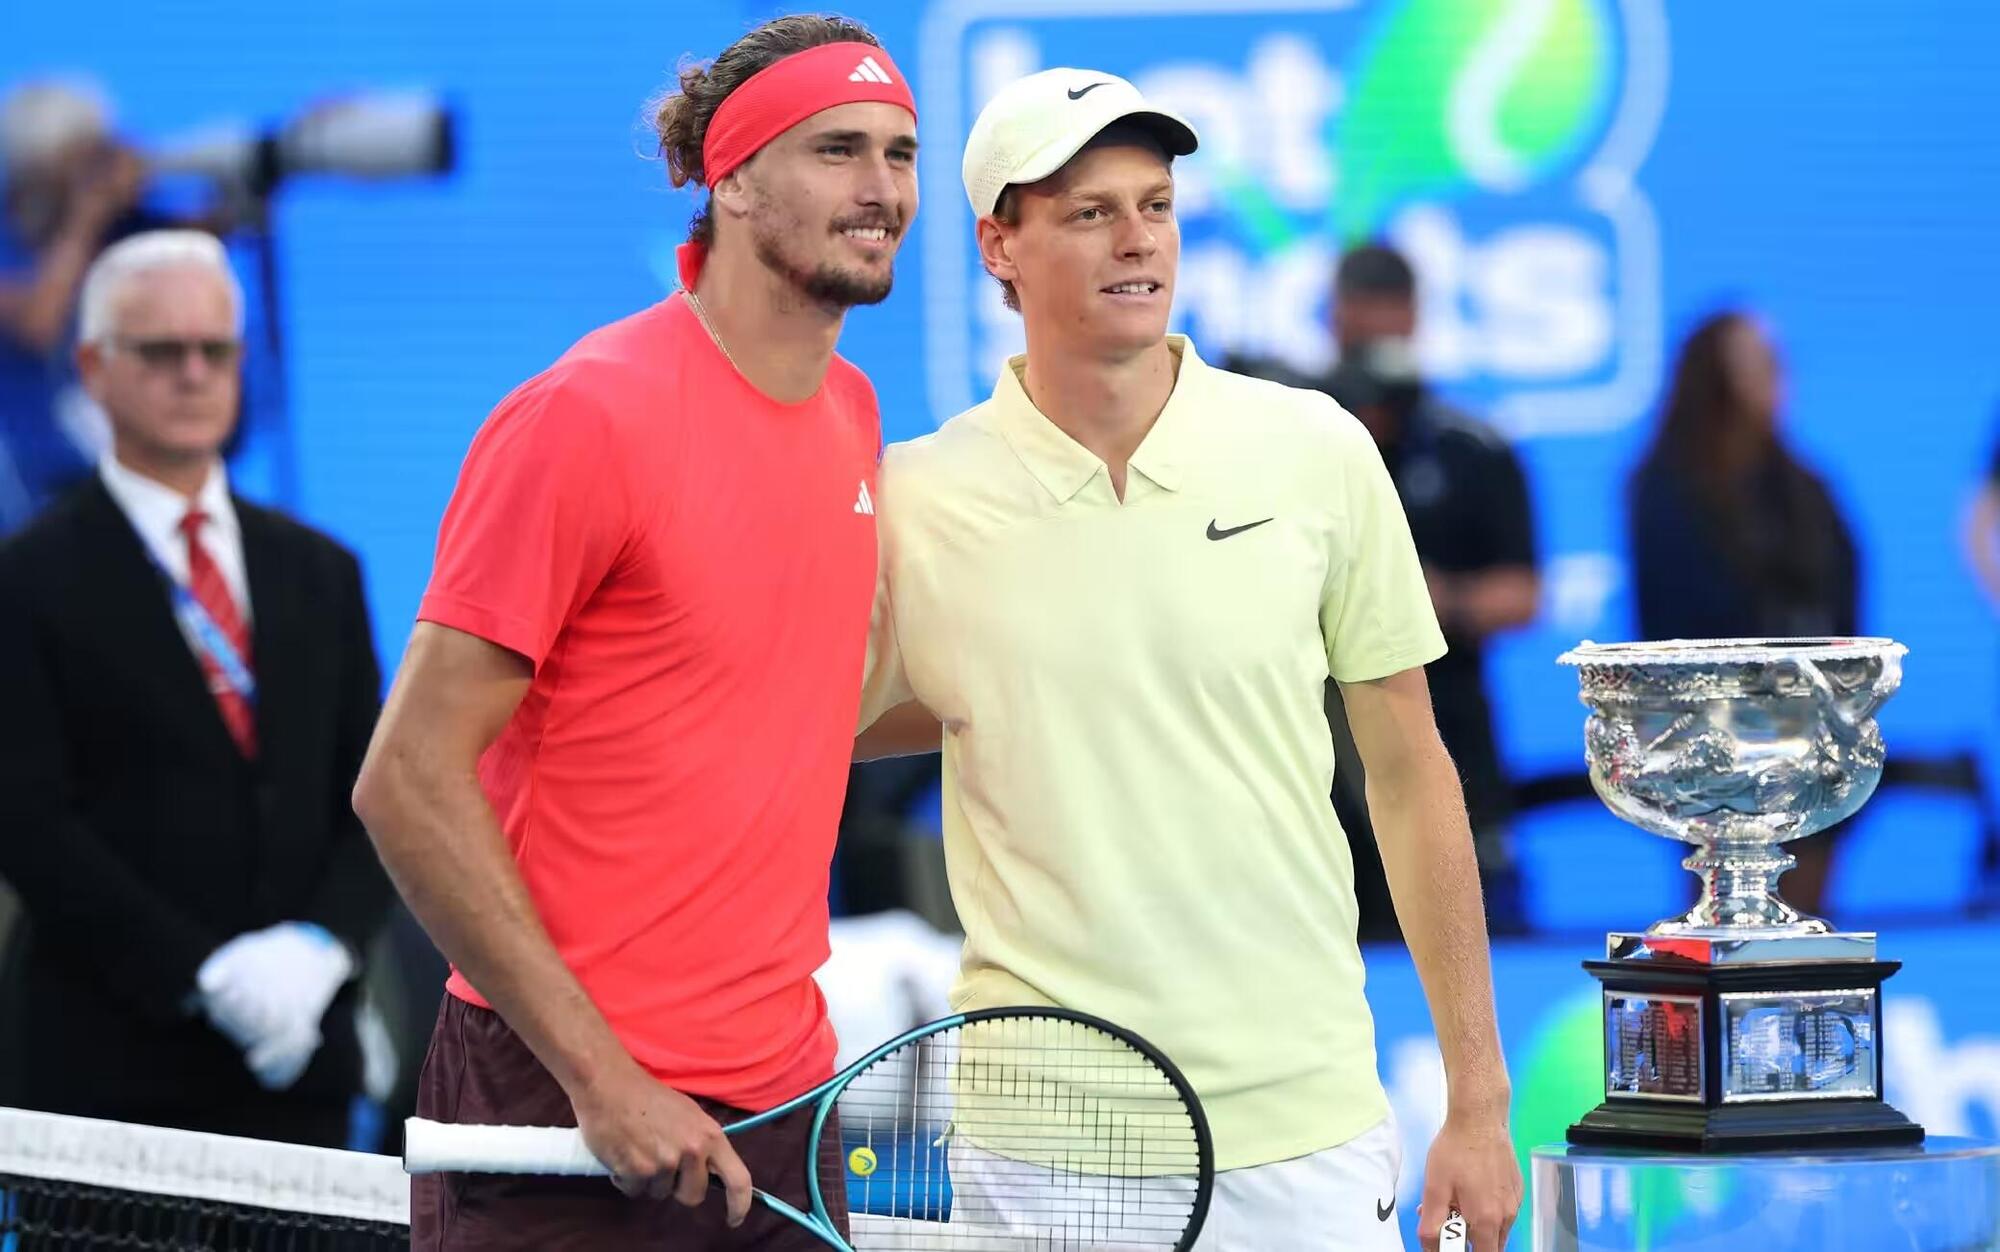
[155, 511]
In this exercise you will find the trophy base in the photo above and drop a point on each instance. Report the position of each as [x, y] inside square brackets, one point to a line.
[1745, 1127]
[1738, 1057]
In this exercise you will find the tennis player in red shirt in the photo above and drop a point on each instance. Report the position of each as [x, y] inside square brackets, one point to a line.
[608, 777]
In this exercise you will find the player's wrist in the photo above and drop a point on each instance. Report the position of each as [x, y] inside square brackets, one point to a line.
[600, 1073]
[1477, 1093]
[1475, 1103]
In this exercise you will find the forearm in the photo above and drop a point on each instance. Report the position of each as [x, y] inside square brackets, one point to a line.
[36, 314]
[446, 854]
[1418, 813]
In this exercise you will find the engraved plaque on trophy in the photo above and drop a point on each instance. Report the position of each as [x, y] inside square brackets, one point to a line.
[1742, 1024]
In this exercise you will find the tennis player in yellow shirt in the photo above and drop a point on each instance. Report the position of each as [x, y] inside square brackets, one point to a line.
[1121, 583]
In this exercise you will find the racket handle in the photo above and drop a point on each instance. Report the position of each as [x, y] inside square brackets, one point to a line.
[1452, 1237]
[437, 1147]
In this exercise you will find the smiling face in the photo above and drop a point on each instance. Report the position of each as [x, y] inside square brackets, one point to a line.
[1093, 249]
[828, 202]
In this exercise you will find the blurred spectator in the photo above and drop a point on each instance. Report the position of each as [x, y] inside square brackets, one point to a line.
[68, 187]
[1467, 500]
[1731, 536]
[190, 686]
[1982, 530]
[67, 184]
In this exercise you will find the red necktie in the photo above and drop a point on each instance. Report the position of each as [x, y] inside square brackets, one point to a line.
[212, 593]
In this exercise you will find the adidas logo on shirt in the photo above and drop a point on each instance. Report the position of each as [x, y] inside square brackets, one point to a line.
[869, 71]
[865, 503]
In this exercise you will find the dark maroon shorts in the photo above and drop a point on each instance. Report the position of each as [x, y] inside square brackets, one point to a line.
[479, 1072]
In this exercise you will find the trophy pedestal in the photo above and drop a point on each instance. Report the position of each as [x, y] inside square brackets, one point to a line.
[1742, 1057]
[1943, 1193]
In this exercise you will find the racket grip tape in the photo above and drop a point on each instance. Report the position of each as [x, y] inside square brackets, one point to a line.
[439, 1147]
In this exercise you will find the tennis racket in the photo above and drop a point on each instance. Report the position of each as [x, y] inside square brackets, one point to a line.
[1002, 1130]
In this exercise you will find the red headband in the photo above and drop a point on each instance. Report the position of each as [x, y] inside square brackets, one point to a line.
[787, 92]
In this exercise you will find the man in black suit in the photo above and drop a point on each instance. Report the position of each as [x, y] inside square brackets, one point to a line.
[190, 686]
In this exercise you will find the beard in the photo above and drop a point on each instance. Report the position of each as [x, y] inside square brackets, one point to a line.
[778, 235]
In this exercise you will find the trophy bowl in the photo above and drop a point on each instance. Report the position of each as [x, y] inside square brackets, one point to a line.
[1736, 746]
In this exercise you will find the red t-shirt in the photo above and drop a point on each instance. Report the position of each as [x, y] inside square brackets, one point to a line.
[690, 566]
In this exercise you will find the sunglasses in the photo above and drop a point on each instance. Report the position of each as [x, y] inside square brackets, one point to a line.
[173, 354]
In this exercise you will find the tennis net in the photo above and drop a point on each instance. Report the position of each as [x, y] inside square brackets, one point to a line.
[73, 1183]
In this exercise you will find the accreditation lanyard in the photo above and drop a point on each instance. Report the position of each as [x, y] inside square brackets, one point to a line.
[200, 624]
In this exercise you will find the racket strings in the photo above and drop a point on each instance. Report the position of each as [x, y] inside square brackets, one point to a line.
[1015, 1133]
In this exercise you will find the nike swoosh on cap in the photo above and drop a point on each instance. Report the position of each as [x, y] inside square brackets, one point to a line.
[1078, 93]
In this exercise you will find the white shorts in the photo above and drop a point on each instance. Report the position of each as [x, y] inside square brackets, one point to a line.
[1339, 1200]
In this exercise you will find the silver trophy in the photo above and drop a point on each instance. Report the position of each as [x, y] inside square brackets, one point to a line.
[1742, 1023]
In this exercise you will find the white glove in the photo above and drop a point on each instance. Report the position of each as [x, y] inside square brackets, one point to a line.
[267, 990]
[278, 1060]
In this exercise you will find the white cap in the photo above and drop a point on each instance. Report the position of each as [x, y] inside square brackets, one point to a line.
[1034, 125]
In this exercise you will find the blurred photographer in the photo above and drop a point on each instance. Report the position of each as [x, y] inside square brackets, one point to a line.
[69, 188]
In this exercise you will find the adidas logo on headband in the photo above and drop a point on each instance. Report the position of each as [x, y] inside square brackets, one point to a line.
[793, 88]
[869, 72]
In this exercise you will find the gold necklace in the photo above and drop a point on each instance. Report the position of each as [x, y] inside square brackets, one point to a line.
[694, 302]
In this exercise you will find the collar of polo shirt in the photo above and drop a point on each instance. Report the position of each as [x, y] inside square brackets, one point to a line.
[1062, 465]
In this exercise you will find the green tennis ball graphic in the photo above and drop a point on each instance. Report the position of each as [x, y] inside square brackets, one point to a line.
[1449, 97]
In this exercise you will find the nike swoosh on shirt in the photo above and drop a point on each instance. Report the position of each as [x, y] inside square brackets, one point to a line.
[1216, 533]
[1382, 1210]
[1078, 93]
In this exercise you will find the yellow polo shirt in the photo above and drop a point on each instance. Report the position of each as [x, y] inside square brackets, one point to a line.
[1137, 764]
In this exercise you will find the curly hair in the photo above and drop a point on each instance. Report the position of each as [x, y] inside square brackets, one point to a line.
[681, 115]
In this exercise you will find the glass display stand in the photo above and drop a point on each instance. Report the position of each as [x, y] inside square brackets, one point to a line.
[1942, 1195]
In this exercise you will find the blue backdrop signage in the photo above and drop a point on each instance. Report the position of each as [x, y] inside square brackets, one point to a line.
[1496, 144]
[1576, 179]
